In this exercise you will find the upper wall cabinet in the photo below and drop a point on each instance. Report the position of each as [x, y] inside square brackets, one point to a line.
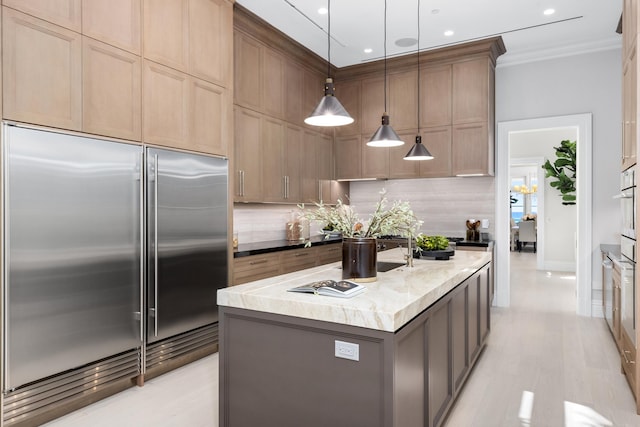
[192, 36]
[372, 103]
[42, 67]
[115, 22]
[248, 73]
[471, 91]
[348, 93]
[435, 96]
[65, 13]
[403, 100]
[111, 91]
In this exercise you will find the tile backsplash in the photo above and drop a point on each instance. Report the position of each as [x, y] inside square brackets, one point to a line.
[444, 204]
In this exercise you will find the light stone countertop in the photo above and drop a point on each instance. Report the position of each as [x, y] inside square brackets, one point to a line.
[387, 304]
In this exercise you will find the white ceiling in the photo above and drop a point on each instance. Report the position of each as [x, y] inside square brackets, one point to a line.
[576, 25]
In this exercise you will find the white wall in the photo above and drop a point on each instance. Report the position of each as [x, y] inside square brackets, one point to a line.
[585, 83]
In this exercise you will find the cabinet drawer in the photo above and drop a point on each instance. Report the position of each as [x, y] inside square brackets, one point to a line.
[255, 267]
[298, 259]
[329, 253]
[628, 359]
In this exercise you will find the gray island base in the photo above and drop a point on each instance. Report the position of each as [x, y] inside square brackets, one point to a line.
[396, 355]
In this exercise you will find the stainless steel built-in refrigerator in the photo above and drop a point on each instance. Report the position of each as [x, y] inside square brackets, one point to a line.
[106, 246]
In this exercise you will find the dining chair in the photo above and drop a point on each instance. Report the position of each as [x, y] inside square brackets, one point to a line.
[527, 233]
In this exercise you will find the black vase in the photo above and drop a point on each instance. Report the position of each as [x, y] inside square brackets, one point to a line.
[359, 257]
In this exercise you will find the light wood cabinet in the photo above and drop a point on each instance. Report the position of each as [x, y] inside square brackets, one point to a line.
[372, 105]
[628, 359]
[292, 155]
[292, 96]
[42, 71]
[166, 32]
[327, 254]
[65, 13]
[348, 93]
[114, 22]
[165, 105]
[256, 267]
[272, 83]
[210, 38]
[472, 149]
[438, 141]
[398, 166]
[403, 100]
[111, 91]
[348, 157]
[248, 156]
[375, 161]
[436, 96]
[470, 91]
[630, 111]
[247, 74]
[312, 93]
[629, 27]
[210, 118]
[298, 259]
[273, 177]
[324, 156]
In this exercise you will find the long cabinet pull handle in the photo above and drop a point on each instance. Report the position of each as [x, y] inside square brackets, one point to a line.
[155, 245]
[284, 186]
[302, 254]
[262, 261]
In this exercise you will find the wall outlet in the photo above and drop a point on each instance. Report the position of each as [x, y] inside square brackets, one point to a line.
[347, 350]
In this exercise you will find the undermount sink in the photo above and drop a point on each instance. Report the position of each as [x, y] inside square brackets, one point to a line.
[383, 266]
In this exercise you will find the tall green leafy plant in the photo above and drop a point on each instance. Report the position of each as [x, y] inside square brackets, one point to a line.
[563, 170]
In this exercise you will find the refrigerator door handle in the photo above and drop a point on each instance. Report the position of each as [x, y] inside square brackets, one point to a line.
[154, 310]
[138, 315]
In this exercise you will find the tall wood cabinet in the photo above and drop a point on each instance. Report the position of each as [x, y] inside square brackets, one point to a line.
[80, 65]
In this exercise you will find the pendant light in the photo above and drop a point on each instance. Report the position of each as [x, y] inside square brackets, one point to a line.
[418, 151]
[329, 111]
[385, 136]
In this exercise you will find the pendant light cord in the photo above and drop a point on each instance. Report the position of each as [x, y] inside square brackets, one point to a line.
[418, 67]
[385, 57]
[329, 38]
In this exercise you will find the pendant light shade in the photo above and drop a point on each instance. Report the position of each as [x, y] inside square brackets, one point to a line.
[385, 136]
[329, 111]
[418, 151]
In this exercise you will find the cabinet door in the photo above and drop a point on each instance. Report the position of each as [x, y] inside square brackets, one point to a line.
[438, 142]
[292, 156]
[398, 166]
[211, 40]
[247, 75]
[483, 305]
[471, 91]
[375, 161]
[293, 77]
[309, 172]
[473, 337]
[248, 156]
[65, 13]
[298, 259]
[256, 267]
[435, 96]
[348, 157]
[459, 324]
[165, 106]
[440, 387]
[113, 22]
[372, 105]
[471, 150]
[403, 100]
[209, 117]
[312, 93]
[348, 93]
[329, 253]
[166, 32]
[111, 86]
[272, 83]
[42, 68]
[324, 156]
[272, 141]
[630, 100]
[617, 283]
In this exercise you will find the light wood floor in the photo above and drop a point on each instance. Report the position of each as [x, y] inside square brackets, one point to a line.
[539, 352]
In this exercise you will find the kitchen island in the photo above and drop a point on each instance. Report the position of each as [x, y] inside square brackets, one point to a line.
[395, 355]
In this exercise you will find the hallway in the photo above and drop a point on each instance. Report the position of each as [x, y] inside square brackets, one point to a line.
[567, 364]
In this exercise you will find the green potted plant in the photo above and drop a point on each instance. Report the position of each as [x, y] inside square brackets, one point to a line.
[563, 170]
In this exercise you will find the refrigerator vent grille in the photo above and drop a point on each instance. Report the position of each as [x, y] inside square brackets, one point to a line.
[44, 399]
[181, 346]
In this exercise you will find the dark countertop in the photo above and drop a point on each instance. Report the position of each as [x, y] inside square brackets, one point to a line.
[479, 244]
[256, 248]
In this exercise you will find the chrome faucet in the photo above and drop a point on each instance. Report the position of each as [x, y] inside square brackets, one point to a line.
[409, 255]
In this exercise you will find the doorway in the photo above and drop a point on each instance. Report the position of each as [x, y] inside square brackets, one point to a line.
[582, 123]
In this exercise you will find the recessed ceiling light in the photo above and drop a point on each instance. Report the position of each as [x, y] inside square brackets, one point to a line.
[368, 50]
[323, 11]
[449, 33]
[549, 12]
[406, 42]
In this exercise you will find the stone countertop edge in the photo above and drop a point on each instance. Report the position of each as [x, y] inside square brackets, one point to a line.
[269, 246]
[387, 304]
